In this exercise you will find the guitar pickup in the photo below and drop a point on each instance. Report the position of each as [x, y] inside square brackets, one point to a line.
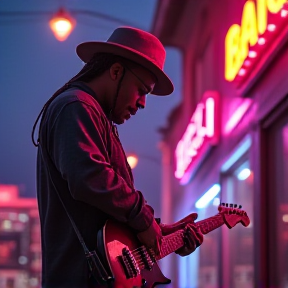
[129, 263]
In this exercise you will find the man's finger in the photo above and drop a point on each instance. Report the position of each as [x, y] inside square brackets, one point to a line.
[194, 236]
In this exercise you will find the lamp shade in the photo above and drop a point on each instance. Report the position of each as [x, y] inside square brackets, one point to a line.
[132, 160]
[62, 24]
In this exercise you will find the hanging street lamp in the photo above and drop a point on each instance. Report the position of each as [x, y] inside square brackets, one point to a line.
[62, 24]
[132, 160]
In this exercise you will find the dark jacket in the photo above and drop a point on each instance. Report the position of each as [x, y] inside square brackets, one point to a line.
[81, 157]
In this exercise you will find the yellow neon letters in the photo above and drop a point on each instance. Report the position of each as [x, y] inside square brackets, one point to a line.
[274, 6]
[239, 38]
[232, 57]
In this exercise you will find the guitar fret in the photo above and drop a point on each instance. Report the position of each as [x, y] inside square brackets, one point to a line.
[125, 255]
[174, 241]
[171, 243]
[210, 224]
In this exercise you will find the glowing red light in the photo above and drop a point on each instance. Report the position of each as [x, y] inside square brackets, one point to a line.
[62, 25]
[256, 13]
[242, 72]
[252, 54]
[284, 13]
[210, 110]
[261, 41]
[200, 131]
[247, 63]
[8, 192]
[271, 27]
[237, 115]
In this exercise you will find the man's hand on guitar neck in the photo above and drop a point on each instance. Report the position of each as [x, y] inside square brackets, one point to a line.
[151, 237]
[193, 238]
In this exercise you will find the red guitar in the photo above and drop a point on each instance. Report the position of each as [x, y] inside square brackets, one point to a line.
[133, 265]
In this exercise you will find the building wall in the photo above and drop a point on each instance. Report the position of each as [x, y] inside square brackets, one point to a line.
[267, 90]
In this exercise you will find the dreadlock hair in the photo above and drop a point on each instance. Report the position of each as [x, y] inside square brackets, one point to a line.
[97, 65]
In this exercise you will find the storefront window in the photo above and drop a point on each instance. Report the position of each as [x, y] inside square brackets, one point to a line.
[237, 243]
[209, 252]
[278, 201]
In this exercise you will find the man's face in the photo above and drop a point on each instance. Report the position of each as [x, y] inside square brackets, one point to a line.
[136, 84]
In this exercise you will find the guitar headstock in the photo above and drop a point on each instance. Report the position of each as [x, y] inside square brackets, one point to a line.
[233, 214]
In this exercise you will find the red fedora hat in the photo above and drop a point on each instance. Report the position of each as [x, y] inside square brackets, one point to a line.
[136, 45]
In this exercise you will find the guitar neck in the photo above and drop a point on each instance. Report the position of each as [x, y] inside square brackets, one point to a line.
[174, 241]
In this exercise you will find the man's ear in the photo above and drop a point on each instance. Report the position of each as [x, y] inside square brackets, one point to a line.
[116, 71]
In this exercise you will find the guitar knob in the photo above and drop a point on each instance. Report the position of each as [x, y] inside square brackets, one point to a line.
[223, 204]
[240, 206]
[231, 205]
[226, 205]
[235, 205]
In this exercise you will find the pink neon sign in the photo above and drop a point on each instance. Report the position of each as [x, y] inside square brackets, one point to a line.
[237, 115]
[201, 132]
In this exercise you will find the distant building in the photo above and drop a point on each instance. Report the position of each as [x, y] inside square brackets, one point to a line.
[20, 246]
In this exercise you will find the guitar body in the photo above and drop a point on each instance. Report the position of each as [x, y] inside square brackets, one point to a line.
[134, 266]
[116, 237]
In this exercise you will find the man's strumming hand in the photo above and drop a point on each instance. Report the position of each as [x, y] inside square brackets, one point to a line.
[151, 237]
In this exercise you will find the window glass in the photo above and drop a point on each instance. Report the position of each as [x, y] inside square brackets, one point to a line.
[237, 243]
[208, 252]
[278, 229]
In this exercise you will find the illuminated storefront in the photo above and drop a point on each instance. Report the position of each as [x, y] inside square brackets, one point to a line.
[20, 247]
[235, 151]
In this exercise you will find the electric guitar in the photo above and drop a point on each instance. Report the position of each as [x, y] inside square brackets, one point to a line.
[134, 266]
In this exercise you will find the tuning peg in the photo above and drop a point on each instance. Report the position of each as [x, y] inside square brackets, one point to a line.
[223, 204]
[231, 205]
[240, 206]
[226, 205]
[235, 205]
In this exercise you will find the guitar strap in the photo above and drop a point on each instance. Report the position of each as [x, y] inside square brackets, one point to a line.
[96, 267]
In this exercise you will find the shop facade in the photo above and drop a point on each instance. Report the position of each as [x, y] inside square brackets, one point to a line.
[20, 242]
[227, 142]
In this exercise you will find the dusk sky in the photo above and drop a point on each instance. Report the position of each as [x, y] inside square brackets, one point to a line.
[34, 65]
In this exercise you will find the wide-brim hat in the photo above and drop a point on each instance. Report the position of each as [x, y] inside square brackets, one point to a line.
[136, 45]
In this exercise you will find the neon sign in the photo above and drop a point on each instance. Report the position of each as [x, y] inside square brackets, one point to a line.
[237, 115]
[201, 132]
[260, 24]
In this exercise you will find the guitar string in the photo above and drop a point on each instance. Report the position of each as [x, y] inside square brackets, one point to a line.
[137, 253]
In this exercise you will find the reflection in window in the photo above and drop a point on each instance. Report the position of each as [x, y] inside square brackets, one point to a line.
[238, 243]
[280, 217]
[208, 252]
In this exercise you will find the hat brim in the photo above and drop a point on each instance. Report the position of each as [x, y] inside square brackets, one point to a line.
[86, 50]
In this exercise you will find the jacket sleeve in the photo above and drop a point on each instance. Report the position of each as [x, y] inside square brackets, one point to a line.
[78, 148]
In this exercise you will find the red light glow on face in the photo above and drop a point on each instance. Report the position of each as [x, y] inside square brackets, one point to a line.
[202, 129]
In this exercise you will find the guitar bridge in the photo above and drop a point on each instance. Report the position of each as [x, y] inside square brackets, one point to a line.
[147, 257]
[129, 263]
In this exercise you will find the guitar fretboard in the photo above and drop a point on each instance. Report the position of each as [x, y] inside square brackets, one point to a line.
[172, 242]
